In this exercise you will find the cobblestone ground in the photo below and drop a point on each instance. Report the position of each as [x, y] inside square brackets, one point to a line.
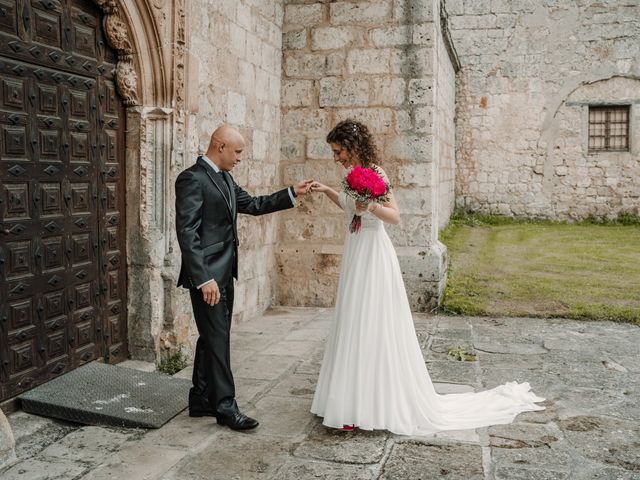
[588, 371]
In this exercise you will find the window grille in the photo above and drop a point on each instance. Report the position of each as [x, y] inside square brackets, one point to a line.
[609, 129]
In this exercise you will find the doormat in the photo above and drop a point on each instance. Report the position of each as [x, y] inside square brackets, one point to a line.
[99, 394]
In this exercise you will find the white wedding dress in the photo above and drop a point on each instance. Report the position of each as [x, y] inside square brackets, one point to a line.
[373, 374]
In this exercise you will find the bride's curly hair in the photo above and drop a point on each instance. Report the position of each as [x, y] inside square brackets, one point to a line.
[356, 139]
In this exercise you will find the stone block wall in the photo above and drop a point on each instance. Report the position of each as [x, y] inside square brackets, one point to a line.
[529, 71]
[240, 76]
[236, 48]
[446, 66]
[373, 61]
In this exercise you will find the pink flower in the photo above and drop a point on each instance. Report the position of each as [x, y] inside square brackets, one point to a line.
[367, 182]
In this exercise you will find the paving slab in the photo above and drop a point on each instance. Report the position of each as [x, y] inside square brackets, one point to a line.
[230, 455]
[88, 444]
[34, 433]
[45, 469]
[450, 371]
[296, 385]
[418, 460]
[609, 441]
[286, 417]
[265, 367]
[329, 444]
[138, 461]
[297, 469]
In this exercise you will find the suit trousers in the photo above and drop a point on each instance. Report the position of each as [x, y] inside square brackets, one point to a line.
[213, 385]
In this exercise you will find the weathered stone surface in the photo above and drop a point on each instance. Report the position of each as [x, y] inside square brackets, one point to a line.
[44, 469]
[388, 91]
[184, 432]
[594, 437]
[297, 469]
[297, 93]
[391, 36]
[319, 149]
[137, 461]
[303, 15]
[424, 460]
[350, 92]
[585, 433]
[265, 367]
[449, 371]
[520, 362]
[361, 12]
[286, 417]
[518, 473]
[33, 434]
[311, 365]
[88, 444]
[549, 167]
[512, 348]
[330, 38]
[7, 442]
[330, 444]
[294, 40]
[296, 386]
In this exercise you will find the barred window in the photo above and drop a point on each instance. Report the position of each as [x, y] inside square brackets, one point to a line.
[609, 129]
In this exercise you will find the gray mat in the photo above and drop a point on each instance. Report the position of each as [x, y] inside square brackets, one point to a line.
[99, 394]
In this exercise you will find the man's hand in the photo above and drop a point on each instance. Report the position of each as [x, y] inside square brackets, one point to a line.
[211, 293]
[302, 188]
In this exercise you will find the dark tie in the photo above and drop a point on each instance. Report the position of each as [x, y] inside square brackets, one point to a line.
[227, 193]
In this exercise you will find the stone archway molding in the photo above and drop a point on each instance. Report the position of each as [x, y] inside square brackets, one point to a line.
[152, 72]
[117, 34]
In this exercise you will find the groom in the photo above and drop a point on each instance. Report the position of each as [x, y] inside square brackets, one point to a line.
[208, 201]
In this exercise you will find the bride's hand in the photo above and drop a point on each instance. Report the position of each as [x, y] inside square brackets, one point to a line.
[361, 207]
[319, 187]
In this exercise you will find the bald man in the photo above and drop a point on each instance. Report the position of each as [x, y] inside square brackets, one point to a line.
[208, 201]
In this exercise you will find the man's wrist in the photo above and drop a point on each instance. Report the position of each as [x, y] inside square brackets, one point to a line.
[206, 283]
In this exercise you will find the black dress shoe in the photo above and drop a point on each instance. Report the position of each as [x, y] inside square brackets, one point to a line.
[237, 421]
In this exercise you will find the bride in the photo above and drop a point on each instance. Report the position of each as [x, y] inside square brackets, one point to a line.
[373, 375]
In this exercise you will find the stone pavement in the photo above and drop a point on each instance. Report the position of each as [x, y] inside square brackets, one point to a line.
[588, 371]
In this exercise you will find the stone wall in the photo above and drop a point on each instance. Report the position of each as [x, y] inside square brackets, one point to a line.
[445, 68]
[238, 49]
[374, 62]
[218, 62]
[529, 71]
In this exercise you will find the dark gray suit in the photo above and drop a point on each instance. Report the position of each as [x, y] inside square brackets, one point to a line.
[207, 205]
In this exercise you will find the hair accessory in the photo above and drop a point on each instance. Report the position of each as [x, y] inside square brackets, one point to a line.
[355, 127]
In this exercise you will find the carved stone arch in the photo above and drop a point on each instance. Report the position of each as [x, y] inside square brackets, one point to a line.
[130, 30]
[149, 38]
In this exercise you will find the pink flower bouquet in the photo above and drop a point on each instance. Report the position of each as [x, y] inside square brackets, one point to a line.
[364, 184]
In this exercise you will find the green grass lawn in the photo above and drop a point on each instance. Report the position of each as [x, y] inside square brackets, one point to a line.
[543, 269]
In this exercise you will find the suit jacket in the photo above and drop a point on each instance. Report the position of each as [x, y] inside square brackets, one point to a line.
[206, 222]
